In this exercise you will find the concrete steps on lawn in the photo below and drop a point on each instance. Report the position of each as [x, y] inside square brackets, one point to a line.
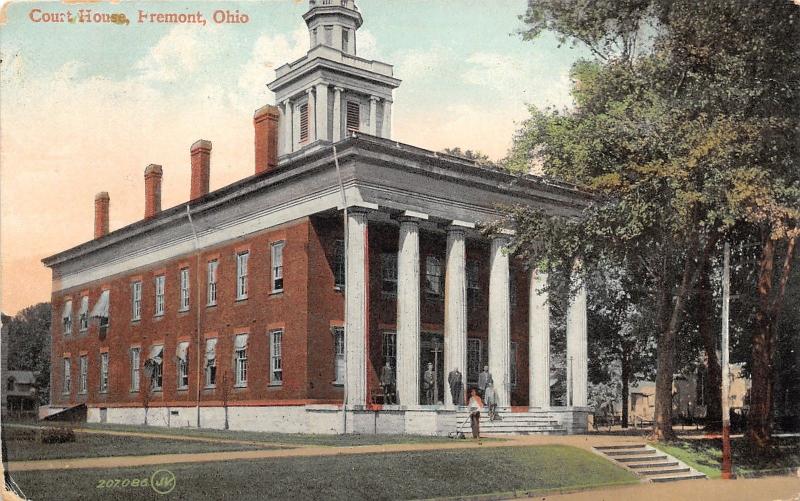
[649, 463]
[513, 423]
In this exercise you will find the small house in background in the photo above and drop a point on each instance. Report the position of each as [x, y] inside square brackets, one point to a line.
[19, 393]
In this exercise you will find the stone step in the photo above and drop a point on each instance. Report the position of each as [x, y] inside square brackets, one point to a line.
[663, 471]
[652, 464]
[628, 452]
[639, 458]
[676, 478]
[622, 446]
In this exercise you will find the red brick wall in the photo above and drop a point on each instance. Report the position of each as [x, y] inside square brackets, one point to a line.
[306, 310]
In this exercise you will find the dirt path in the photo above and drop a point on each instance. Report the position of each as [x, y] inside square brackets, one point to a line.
[756, 489]
[581, 441]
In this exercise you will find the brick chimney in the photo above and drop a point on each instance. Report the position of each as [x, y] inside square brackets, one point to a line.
[201, 168]
[152, 190]
[101, 202]
[265, 123]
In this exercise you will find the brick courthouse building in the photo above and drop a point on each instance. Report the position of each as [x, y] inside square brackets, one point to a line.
[255, 307]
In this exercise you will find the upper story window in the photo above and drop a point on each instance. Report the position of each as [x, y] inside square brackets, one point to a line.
[304, 122]
[66, 317]
[159, 287]
[136, 301]
[433, 276]
[389, 274]
[212, 282]
[277, 266]
[345, 40]
[240, 359]
[104, 372]
[353, 116]
[338, 265]
[184, 289]
[473, 360]
[83, 315]
[241, 274]
[329, 36]
[473, 284]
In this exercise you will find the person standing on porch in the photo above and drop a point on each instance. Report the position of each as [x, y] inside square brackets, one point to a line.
[428, 381]
[484, 379]
[475, 406]
[490, 399]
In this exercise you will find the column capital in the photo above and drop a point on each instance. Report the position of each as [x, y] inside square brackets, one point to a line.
[338, 89]
[287, 101]
[456, 224]
[411, 216]
[363, 207]
[374, 98]
[310, 90]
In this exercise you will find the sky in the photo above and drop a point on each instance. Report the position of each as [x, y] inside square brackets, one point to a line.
[85, 107]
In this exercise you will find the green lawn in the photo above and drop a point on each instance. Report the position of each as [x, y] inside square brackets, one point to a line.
[705, 455]
[424, 474]
[278, 438]
[96, 445]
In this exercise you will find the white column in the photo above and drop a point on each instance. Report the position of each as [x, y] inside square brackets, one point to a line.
[455, 310]
[538, 342]
[499, 319]
[288, 126]
[337, 114]
[387, 119]
[577, 359]
[356, 301]
[312, 120]
[373, 115]
[322, 111]
[408, 318]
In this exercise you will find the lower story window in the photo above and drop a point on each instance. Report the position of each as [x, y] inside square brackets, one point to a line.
[240, 359]
[276, 359]
[211, 363]
[338, 354]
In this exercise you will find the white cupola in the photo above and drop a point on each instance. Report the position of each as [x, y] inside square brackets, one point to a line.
[331, 92]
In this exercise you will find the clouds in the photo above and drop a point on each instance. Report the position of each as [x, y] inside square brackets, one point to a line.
[270, 52]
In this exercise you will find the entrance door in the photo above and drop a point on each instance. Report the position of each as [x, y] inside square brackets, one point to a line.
[432, 352]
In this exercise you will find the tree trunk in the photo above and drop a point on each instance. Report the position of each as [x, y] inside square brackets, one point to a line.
[705, 320]
[626, 377]
[763, 345]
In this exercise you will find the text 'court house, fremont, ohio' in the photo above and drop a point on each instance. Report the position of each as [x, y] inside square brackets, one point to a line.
[275, 303]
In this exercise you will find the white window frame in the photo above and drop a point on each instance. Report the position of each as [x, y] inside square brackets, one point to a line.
[67, 321]
[67, 382]
[339, 272]
[136, 301]
[338, 355]
[104, 372]
[159, 284]
[276, 265]
[211, 280]
[276, 357]
[182, 367]
[389, 274]
[185, 289]
[473, 340]
[242, 259]
[158, 373]
[240, 364]
[473, 280]
[136, 367]
[83, 317]
[83, 381]
[210, 368]
[432, 264]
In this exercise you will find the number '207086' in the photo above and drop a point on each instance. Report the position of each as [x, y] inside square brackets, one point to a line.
[112, 483]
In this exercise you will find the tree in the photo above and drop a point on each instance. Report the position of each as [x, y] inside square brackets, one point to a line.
[685, 125]
[475, 155]
[29, 345]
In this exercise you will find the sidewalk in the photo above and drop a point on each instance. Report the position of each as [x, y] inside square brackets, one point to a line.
[581, 441]
[758, 489]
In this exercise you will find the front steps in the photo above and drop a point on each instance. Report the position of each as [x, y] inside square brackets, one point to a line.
[512, 423]
[649, 463]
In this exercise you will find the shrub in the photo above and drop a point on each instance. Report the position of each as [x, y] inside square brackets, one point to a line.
[22, 434]
[57, 435]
